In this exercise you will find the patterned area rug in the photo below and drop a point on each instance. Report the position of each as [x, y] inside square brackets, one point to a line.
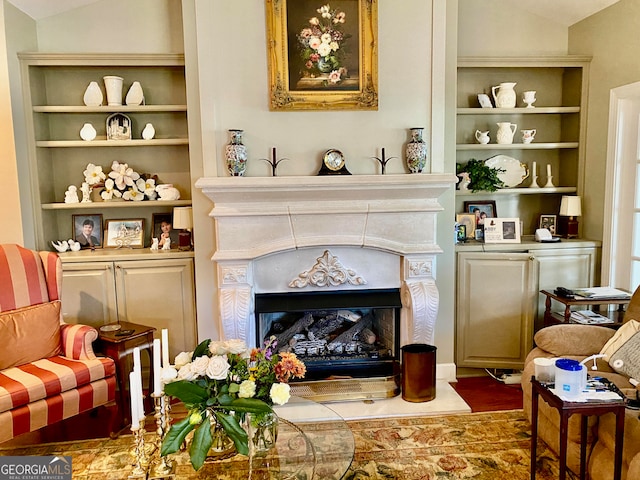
[478, 446]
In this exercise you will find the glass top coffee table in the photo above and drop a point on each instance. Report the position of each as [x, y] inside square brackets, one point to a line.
[314, 442]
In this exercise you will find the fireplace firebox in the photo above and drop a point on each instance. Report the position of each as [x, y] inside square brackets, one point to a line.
[342, 334]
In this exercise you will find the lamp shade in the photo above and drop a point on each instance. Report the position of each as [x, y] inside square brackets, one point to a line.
[182, 218]
[570, 206]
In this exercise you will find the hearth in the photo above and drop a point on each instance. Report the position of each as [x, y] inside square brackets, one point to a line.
[353, 334]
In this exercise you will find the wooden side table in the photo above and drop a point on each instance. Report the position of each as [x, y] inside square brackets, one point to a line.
[566, 409]
[551, 318]
[120, 349]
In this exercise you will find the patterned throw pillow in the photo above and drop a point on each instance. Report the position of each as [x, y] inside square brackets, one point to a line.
[627, 358]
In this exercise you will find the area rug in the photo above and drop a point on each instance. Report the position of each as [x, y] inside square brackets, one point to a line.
[478, 446]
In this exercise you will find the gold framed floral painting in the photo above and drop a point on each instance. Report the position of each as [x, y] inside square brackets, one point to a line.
[322, 55]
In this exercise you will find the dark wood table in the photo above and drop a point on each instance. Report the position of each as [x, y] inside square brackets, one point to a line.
[551, 318]
[566, 409]
[120, 349]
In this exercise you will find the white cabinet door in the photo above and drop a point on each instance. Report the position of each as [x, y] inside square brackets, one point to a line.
[566, 267]
[89, 293]
[496, 293]
[159, 293]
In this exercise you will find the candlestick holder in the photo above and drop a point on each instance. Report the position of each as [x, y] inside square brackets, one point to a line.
[383, 161]
[274, 162]
[549, 183]
[139, 451]
[162, 467]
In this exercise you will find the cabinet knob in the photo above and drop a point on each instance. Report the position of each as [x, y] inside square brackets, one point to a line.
[531, 257]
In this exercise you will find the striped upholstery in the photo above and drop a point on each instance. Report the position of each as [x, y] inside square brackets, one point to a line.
[50, 389]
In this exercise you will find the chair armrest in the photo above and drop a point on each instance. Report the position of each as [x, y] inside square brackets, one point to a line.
[576, 340]
[76, 341]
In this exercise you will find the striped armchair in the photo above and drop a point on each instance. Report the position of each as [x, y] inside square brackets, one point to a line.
[48, 371]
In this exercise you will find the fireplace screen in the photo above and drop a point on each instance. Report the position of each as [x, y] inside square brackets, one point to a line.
[337, 334]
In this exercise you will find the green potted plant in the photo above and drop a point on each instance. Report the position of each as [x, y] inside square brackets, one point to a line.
[483, 177]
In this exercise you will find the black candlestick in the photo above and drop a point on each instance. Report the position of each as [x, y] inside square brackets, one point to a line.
[383, 161]
[273, 162]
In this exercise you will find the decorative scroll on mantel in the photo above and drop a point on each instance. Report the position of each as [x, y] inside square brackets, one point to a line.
[327, 272]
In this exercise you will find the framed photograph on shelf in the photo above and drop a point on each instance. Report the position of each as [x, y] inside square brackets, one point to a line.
[469, 222]
[548, 222]
[502, 230]
[87, 230]
[482, 209]
[124, 233]
[162, 228]
[321, 57]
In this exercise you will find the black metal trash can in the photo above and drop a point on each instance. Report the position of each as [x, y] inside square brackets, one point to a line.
[418, 372]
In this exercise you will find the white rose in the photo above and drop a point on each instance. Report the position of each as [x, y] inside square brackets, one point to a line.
[279, 393]
[168, 374]
[182, 359]
[199, 365]
[324, 49]
[217, 348]
[218, 367]
[236, 346]
[185, 373]
[247, 389]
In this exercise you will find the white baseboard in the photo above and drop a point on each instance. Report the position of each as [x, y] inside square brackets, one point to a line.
[446, 372]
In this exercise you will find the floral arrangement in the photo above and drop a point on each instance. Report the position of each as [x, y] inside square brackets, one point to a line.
[221, 382]
[122, 182]
[322, 45]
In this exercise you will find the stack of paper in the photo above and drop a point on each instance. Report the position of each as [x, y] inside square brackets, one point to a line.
[601, 293]
[589, 317]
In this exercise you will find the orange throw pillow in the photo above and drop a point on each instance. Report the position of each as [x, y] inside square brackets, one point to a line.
[29, 333]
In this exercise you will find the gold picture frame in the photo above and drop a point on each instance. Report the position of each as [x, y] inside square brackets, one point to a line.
[344, 77]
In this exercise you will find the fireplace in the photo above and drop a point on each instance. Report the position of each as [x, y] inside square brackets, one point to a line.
[337, 334]
[295, 236]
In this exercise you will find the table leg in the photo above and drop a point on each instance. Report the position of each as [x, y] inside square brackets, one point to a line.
[567, 313]
[564, 422]
[617, 465]
[547, 311]
[583, 446]
[534, 432]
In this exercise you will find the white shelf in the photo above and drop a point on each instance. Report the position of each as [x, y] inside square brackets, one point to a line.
[516, 146]
[518, 191]
[108, 108]
[512, 111]
[156, 142]
[116, 204]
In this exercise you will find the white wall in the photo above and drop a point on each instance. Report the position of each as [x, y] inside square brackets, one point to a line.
[611, 37]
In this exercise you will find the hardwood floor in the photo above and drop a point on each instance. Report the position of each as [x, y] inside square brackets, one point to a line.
[482, 394]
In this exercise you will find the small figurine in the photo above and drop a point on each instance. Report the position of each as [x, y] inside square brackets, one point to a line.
[71, 195]
[154, 245]
[73, 245]
[61, 246]
[86, 192]
[167, 244]
[464, 182]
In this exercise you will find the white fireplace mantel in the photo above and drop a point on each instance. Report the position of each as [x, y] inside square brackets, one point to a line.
[257, 217]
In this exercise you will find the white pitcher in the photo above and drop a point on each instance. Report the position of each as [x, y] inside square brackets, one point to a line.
[506, 96]
[482, 137]
[506, 131]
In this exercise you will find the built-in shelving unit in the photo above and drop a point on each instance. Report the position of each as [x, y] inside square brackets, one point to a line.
[558, 115]
[54, 86]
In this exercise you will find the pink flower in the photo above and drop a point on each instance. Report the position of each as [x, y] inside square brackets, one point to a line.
[339, 18]
[306, 33]
[334, 76]
[314, 43]
[314, 57]
[309, 64]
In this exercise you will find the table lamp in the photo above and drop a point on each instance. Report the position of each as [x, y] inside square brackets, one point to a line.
[570, 207]
[183, 221]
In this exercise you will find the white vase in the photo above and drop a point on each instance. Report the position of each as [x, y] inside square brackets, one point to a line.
[93, 95]
[149, 132]
[135, 96]
[87, 132]
[113, 86]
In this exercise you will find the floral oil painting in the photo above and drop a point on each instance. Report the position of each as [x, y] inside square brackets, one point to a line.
[322, 55]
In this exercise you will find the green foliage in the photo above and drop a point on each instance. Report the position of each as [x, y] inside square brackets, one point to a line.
[483, 177]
